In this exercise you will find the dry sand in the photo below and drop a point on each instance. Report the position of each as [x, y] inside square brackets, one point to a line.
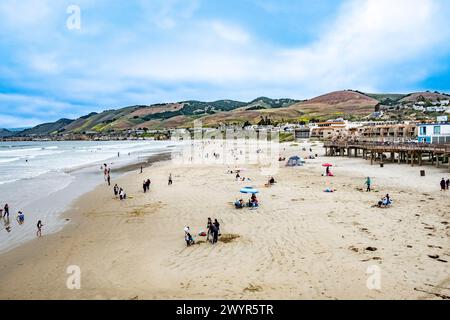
[301, 243]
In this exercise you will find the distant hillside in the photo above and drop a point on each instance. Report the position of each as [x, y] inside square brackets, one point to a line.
[337, 104]
[4, 133]
[46, 128]
[425, 96]
[267, 103]
[386, 98]
[348, 104]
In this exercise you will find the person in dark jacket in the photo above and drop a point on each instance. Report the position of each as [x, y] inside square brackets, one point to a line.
[443, 185]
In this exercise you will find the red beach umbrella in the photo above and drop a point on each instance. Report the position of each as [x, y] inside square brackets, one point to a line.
[327, 165]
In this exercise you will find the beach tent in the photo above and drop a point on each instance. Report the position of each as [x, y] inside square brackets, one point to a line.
[295, 161]
[249, 190]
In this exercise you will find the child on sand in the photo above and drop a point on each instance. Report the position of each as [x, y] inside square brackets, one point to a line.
[170, 179]
[188, 237]
[20, 217]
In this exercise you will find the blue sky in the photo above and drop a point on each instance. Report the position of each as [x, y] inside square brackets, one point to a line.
[144, 52]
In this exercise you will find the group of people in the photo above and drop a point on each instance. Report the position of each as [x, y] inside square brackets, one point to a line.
[4, 213]
[445, 184]
[213, 230]
[384, 202]
[119, 192]
[146, 185]
[212, 234]
[252, 202]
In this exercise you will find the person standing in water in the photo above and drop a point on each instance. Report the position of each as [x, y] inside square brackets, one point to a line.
[39, 228]
[20, 217]
[170, 179]
[6, 211]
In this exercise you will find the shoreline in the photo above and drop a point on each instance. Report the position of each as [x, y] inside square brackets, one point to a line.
[300, 244]
[53, 206]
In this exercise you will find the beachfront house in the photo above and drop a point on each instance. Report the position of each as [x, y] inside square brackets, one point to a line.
[302, 133]
[434, 133]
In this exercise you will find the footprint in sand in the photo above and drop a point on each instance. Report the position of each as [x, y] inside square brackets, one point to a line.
[253, 288]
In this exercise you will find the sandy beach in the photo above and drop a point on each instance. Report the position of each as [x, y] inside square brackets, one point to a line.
[302, 243]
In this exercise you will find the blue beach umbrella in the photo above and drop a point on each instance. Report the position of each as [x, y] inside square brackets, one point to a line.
[249, 190]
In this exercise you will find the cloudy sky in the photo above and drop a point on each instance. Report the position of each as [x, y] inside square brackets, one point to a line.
[144, 52]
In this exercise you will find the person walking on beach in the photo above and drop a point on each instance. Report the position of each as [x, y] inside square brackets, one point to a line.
[39, 229]
[368, 183]
[6, 211]
[109, 180]
[217, 224]
[208, 227]
[447, 184]
[141, 170]
[170, 179]
[443, 185]
[116, 190]
[147, 184]
[215, 233]
[144, 186]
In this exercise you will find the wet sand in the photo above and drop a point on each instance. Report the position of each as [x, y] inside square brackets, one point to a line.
[301, 243]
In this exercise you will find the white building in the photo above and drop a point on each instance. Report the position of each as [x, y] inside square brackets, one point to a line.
[435, 109]
[434, 133]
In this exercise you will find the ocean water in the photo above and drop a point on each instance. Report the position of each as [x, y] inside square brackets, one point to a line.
[43, 178]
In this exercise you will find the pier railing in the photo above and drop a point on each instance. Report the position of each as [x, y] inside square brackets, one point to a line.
[394, 147]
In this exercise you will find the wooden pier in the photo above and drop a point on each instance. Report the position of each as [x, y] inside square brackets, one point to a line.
[413, 154]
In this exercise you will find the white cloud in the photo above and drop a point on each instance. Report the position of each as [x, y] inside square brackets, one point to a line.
[171, 54]
[370, 44]
[35, 106]
[7, 121]
[228, 32]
